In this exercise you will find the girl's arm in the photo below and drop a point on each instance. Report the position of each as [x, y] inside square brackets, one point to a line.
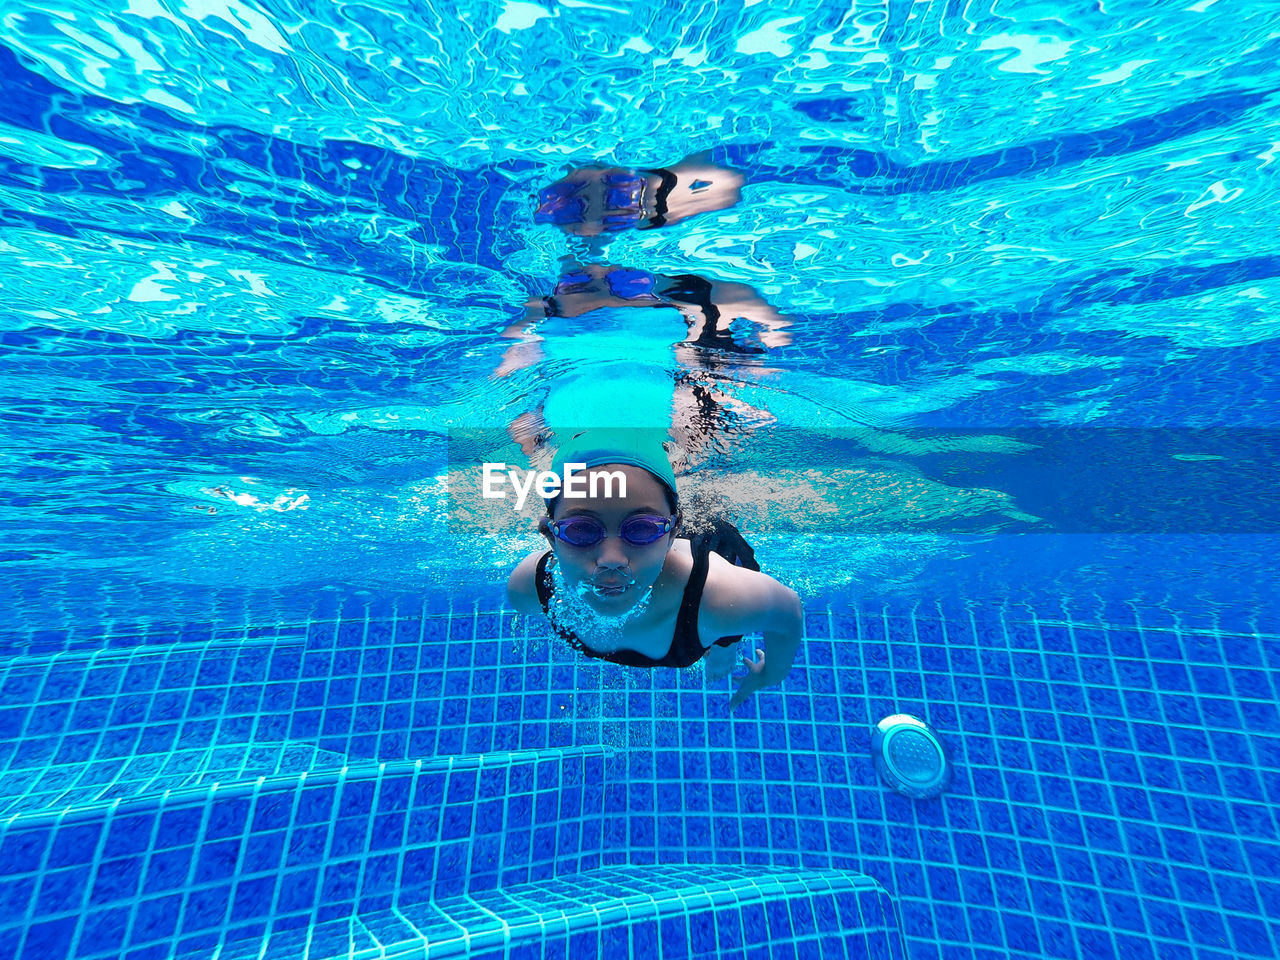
[526, 351]
[751, 602]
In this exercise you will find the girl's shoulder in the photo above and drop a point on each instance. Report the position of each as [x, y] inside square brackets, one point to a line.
[522, 591]
[737, 600]
[669, 587]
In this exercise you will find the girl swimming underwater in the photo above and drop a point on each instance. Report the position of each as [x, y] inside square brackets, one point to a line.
[619, 582]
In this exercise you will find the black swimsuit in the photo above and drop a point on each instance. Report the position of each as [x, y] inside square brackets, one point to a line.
[686, 648]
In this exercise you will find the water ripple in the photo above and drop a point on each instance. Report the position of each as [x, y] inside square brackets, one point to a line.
[280, 243]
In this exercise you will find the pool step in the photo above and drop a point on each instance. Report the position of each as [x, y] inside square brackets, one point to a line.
[362, 689]
[53, 787]
[140, 876]
[88, 714]
[625, 910]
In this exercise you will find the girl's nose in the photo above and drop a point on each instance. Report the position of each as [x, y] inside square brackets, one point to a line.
[611, 553]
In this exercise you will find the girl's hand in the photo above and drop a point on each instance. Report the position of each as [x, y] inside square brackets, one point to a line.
[752, 682]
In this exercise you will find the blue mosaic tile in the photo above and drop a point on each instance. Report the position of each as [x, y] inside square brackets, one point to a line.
[1136, 788]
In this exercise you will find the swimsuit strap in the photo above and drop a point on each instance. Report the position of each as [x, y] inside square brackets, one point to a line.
[542, 581]
[686, 635]
[545, 585]
[693, 289]
[669, 181]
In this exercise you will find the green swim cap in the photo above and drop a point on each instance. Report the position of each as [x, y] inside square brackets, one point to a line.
[635, 447]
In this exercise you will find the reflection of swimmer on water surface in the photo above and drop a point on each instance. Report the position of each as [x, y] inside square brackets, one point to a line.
[599, 299]
[620, 583]
[592, 200]
[708, 306]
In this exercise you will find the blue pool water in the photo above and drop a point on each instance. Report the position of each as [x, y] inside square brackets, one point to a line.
[992, 390]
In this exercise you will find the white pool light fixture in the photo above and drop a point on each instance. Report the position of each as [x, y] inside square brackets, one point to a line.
[909, 757]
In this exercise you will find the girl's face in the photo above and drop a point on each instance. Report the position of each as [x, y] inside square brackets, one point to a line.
[618, 573]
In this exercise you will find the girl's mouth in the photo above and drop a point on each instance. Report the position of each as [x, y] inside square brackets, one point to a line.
[613, 585]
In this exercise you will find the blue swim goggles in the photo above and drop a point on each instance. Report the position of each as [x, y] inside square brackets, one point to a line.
[639, 531]
[562, 203]
[623, 282]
